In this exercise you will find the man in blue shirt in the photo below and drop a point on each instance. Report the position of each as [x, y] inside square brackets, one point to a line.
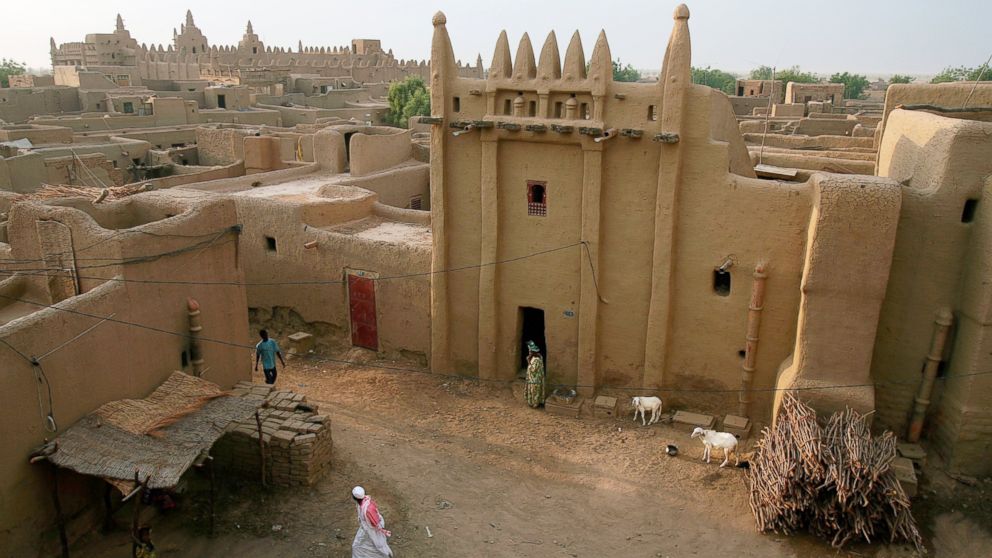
[267, 350]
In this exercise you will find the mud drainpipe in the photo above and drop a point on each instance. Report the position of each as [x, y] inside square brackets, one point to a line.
[942, 325]
[195, 327]
[751, 339]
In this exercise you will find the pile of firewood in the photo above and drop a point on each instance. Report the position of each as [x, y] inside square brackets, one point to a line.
[53, 191]
[834, 480]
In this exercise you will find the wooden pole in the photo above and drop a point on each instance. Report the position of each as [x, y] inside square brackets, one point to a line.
[211, 465]
[134, 515]
[139, 493]
[59, 518]
[108, 508]
[261, 447]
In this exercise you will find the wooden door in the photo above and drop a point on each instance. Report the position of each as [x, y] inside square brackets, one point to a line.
[361, 303]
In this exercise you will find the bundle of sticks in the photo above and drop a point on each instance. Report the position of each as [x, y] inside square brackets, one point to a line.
[52, 191]
[834, 480]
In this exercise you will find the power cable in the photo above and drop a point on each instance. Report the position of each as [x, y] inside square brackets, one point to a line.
[318, 358]
[46, 272]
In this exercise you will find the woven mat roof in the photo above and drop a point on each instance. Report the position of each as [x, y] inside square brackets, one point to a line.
[159, 436]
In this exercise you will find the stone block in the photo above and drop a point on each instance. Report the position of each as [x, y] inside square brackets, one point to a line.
[604, 406]
[283, 438]
[914, 452]
[301, 342]
[906, 475]
[305, 439]
[556, 406]
[734, 424]
[694, 419]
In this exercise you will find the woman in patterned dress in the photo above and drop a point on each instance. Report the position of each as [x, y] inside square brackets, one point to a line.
[535, 390]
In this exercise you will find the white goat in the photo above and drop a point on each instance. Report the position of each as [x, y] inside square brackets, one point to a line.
[642, 404]
[713, 439]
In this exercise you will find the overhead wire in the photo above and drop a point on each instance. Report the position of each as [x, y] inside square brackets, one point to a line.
[319, 358]
[141, 259]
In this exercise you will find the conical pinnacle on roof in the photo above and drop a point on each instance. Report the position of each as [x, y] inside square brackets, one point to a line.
[502, 66]
[549, 65]
[575, 59]
[524, 66]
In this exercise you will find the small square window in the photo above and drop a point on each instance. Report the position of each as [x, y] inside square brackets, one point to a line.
[270, 244]
[968, 213]
[416, 202]
[537, 198]
[456, 104]
[721, 282]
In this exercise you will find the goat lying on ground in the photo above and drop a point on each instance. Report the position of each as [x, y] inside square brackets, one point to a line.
[713, 439]
[642, 404]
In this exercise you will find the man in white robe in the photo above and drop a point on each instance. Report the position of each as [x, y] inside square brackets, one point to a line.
[371, 538]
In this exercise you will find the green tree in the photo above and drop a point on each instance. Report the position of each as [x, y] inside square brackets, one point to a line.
[624, 73]
[418, 105]
[963, 73]
[717, 79]
[9, 68]
[786, 75]
[899, 78]
[854, 84]
[407, 98]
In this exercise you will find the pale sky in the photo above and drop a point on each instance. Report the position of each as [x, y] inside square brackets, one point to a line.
[870, 37]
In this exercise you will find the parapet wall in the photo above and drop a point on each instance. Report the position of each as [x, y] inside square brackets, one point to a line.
[374, 153]
[950, 95]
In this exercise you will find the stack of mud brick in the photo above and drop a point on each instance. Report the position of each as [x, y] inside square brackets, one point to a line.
[296, 439]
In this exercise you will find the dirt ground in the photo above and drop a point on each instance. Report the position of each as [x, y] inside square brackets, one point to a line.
[489, 476]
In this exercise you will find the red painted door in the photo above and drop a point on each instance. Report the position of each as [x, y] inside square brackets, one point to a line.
[361, 301]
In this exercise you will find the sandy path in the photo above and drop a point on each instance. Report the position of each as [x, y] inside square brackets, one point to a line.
[489, 477]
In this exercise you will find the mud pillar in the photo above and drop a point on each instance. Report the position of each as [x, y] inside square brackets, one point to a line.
[489, 274]
[588, 254]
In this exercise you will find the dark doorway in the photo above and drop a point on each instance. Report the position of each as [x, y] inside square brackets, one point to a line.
[532, 329]
[221, 101]
[347, 150]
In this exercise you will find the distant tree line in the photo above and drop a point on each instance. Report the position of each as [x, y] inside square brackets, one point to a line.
[963, 73]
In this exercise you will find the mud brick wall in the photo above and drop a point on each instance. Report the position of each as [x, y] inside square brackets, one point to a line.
[295, 437]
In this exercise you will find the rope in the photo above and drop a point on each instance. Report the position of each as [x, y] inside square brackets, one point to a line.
[979, 79]
[768, 114]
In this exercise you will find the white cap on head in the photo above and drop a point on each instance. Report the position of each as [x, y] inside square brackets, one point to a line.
[358, 492]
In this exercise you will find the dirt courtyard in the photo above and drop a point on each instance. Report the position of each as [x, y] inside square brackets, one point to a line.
[490, 477]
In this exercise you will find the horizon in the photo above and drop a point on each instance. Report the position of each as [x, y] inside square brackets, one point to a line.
[638, 34]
